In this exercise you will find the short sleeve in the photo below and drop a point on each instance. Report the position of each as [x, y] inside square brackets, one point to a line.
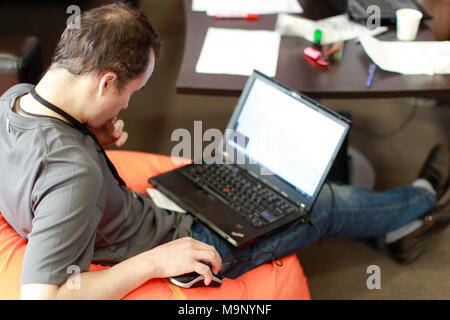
[64, 225]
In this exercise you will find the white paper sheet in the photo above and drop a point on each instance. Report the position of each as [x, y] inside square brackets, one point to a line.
[163, 202]
[238, 52]
[334, 29]
[409, 57]
[247, 6]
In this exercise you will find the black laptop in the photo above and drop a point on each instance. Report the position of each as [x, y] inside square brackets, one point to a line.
[272, 162]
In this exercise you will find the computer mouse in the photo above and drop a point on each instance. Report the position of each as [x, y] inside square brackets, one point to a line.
[195, 280]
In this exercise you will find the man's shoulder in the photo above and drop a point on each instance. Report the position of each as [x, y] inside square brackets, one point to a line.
[69, 172]
[69, 154]
[64, 144]
[16, 90]
[7, 98]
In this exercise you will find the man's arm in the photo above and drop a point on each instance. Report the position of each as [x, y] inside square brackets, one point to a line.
[170, 259]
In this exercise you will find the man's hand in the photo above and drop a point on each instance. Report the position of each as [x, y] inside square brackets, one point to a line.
[183, 256]
[111, 133]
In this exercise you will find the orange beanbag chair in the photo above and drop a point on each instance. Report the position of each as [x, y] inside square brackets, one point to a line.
[268, 281]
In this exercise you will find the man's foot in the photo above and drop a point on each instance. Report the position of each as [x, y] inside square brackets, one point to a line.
[436, 169]
[413, 245]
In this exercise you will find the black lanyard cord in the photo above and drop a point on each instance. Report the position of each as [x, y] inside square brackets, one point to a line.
[82, 127]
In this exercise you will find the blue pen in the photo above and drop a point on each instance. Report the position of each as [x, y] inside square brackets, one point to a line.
[369, 81]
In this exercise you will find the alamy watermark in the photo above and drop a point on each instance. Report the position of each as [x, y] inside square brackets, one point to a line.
[234, 151]
[73, 21]
[374, 19]
[74, 280]
[374, 280]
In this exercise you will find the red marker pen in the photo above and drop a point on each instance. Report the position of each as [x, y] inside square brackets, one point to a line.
[246, 16]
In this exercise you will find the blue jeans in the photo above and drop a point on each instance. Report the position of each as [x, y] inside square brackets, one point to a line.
[340, 211]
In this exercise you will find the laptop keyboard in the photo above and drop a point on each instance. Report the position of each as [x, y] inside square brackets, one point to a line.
[256, 203]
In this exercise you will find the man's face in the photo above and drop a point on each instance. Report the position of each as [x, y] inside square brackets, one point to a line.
[118, 100]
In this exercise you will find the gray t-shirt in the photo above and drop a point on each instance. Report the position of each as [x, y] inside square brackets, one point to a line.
[57, 192]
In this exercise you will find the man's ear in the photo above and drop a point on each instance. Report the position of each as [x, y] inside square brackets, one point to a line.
[107, 82]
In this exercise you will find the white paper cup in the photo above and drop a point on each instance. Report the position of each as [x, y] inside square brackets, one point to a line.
[408, 21]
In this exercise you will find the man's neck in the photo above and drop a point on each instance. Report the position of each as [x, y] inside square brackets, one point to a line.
[59, 88]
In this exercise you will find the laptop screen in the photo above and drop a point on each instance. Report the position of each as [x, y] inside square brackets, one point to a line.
[288, 137]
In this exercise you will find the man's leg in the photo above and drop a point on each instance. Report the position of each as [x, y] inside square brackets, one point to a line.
[340, 211]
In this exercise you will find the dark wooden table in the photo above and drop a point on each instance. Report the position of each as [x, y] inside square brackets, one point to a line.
[344, 80]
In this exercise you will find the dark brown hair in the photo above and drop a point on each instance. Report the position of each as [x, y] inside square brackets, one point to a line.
[115, 38]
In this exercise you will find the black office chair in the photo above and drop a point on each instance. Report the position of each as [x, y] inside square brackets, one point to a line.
[20, 60]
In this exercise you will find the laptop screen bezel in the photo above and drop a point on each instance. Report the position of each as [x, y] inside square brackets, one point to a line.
[273, 181]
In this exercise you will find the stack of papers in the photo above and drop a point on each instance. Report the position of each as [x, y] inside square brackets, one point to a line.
[334, 29]
[409, 57]
[238, 52]
[163, 202]
[213, 7]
